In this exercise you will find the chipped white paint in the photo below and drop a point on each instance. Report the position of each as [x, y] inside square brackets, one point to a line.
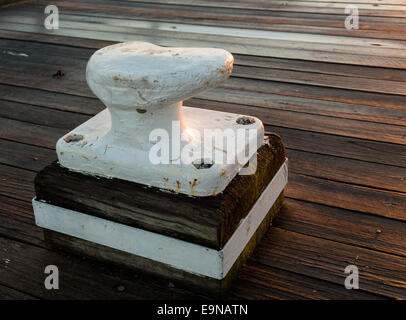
[143, 86]
[176, 253]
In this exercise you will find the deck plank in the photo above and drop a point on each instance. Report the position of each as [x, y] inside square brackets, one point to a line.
[118, 34]
[263, 283]
[373, 232]
[326, 260]
[347, 196]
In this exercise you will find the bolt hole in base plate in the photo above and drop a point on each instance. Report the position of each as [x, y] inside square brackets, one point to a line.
[203, 164]
[245, 120]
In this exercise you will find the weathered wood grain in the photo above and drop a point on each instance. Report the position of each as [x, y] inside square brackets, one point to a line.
[265, 38]
[372, 232]
[18, 227]
[347, 196]
[260, 282]
[78, 55]
[25, 156]
[255, 99]
[318, 93]
[283, 101]
[40, 116]
[12, 206]
[34, 134]
[327, 7]
[16, 183]
[80, 44]
[345, 147]
[78, 278]
[271, 20]
[312, 78]
[326, 260]
[316, 123]
[7, 293]
[351, 71]
[355, 172]
[53, 100]
[246, 36]
[259, 101]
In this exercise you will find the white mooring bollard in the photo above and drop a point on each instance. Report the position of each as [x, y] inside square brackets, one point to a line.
[143, 87]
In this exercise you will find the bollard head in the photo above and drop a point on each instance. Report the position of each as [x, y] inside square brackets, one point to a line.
[146, 76]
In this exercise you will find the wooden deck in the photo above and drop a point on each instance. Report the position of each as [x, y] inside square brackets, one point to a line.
[337, 98]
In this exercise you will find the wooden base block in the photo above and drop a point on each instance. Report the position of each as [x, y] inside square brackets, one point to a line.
[208, 221]
[207, 285]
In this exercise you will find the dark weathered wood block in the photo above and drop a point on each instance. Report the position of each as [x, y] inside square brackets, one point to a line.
[208, 222]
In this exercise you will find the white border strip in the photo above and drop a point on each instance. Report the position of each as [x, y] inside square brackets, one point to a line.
[240, 238]
[177, 253]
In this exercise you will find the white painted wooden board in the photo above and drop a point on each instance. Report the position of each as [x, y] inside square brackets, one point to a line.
[176, 253]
